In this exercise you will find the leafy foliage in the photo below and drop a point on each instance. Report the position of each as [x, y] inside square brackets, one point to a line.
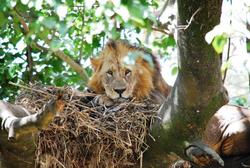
[219, 43]
[240, 101]
[33, 30]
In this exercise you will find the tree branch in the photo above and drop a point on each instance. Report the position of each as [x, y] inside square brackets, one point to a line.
[16, 125]
[228, 49]
[80, 70]
[22, 21]
[162, 31]
[192, 101]
[82, 36]
[60, 54]
[227, 59]
[159, 13]
[29, 67]
[184, 27]
[25, 31]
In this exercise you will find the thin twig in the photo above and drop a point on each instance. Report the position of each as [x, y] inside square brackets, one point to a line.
[166, 3]
[29, 67]
[141, 160]
[228, 56]
[28, 88]
[228, 49]
[25, 31]
[22, 21]
[184, 27]
[245, 165]
[82, 36]
[162, 31]
[60, 54]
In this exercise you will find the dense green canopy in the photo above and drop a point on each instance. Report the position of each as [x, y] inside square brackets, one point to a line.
[51, 41]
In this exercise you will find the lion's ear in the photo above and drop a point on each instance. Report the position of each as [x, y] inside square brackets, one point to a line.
[96, 63]
[141, 61]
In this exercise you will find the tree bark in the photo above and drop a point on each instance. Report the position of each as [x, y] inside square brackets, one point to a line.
[21, 128]
[198, 91]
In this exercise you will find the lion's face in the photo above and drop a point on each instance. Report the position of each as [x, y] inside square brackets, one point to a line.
[121, 72]
[118, 79]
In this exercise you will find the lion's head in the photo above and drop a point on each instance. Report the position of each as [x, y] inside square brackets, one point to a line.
[125, 71]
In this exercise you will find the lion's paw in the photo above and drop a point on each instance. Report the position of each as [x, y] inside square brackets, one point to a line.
[103, 100]
[203, 156]
[181, 164]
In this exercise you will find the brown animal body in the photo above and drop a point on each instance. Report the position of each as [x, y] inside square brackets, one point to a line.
[123, 71]
[228, 131]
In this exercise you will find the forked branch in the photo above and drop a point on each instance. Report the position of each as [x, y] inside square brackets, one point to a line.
[27, 123]
[60, 54]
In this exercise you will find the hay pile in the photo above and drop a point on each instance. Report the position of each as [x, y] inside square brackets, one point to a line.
[89, 135]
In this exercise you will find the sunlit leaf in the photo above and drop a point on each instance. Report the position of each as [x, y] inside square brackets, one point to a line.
[49, 22]
[248, 46]
[3, 19]
[219, 43]
[55, 44]
[174, 70]
[12, 70]
[123, 12]
[225, 66]
[78, 28]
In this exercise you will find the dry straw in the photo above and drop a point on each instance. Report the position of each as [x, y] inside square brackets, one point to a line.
[87, 135]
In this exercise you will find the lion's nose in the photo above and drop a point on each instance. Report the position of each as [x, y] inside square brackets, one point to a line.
[119, 91]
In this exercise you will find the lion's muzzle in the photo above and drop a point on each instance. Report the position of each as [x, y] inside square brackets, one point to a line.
[120, 91]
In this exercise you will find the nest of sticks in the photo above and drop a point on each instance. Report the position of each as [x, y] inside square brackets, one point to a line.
[88, 135]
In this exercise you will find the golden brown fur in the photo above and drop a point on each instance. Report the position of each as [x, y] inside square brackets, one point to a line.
[228, 131]
[125, 71]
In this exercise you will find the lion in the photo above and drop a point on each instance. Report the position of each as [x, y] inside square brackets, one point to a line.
[123, 71]
[228, 131]
[228, 135]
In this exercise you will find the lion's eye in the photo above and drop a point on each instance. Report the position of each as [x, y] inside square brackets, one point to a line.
[127, 72]
[109, 73]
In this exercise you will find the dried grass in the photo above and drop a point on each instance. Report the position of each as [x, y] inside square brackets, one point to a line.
[87, 135]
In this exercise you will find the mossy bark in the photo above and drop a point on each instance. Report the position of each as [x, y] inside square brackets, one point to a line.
[17, 154]
[18, 148]
[198, 91]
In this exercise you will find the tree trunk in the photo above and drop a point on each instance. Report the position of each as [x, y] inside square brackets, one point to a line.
[198, 91]
[18, 145]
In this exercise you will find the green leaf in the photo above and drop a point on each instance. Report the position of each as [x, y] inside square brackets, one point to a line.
[115, 34]
[225, 65]
[3, 19]
[13, 70]
[60, 80]
[63, 28]
[138, 21]
[55, 44]
[131, 18]
[219, 43]
[127, 2]
[164, 42]
[242, 101]
[248, 46]
[168, 41]
[174, 70]
[57, 65]
[89, 71]
[49, 22]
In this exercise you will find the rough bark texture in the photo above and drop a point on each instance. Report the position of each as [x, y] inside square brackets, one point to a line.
[198, 91]
[19, 153]
[22, 129]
